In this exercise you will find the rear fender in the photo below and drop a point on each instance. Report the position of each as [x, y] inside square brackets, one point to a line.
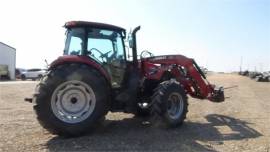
[82, 60]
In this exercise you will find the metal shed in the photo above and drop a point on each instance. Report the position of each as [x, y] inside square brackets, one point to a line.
[8, 59]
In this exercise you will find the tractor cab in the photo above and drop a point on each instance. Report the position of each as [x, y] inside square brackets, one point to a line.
[102, 43]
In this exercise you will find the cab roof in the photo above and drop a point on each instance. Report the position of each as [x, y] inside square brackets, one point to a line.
[72, 24]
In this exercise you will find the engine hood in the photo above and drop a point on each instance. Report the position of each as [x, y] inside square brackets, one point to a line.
[167, 58]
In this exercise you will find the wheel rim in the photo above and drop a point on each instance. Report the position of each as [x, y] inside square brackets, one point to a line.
[175, 105]
[73, 101]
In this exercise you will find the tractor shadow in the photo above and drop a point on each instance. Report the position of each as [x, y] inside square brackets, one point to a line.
[131, 134]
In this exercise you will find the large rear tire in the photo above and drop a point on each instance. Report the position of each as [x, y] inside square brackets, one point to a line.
[170, 103]
[71, 99]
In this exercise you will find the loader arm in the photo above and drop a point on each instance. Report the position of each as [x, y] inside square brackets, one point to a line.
[187, 72]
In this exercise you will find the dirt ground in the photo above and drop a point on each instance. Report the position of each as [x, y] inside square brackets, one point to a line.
[242, 123]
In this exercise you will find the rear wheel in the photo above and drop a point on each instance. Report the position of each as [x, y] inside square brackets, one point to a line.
[258, 79]
[23, 77]
[170, 103]
[71, 100]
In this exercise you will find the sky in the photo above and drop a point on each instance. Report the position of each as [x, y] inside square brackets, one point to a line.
[218, 34]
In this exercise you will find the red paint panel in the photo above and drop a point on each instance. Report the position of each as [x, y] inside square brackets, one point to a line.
[80, 59]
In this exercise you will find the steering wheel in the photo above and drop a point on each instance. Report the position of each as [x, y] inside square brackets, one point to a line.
[145, 53]
[102, 55]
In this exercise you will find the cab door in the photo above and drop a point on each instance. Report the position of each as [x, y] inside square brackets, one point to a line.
[107, 48]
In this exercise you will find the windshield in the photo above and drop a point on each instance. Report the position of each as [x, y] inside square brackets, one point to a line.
[100, 44]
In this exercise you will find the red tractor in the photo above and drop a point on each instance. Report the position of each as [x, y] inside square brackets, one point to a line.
[96, 75]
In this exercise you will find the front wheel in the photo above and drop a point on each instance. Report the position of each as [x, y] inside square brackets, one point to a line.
[170, 103]
[71, 100]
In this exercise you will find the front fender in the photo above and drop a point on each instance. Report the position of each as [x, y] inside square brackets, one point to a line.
[80, 59]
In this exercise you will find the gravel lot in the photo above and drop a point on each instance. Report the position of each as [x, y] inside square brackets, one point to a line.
[239, 124]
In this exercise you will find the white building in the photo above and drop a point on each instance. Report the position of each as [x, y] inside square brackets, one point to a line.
[8, 57]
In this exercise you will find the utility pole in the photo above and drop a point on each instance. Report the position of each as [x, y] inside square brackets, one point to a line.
[241, 63]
